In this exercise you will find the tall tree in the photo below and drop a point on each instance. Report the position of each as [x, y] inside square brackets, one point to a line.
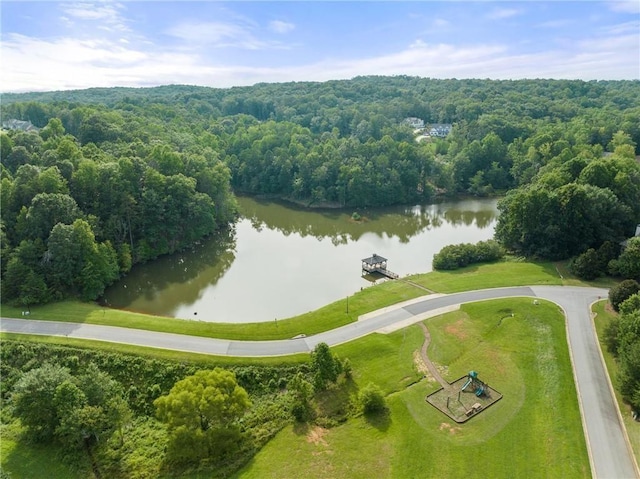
[201, 413]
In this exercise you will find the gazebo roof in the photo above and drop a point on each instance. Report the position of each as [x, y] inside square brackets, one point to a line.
[375, 259]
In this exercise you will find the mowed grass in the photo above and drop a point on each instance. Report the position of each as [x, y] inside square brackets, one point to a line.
[518, 348]
[508, 273]
[604, 315]
[490, 275]
[328, 317]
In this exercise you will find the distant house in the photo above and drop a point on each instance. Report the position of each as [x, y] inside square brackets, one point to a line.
[413, 122]
[21, 125]
[624, 243]
[440, 130]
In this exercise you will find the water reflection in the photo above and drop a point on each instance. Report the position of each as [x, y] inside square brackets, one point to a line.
[401, 222]
[180, 277]
[280, 261]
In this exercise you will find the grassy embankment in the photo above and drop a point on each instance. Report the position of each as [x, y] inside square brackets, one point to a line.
[508, 273]
[533, 430]
[603, 316]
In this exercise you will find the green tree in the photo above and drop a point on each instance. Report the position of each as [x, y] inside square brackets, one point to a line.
[78, 264]
[47, 210]
[629, 357]
[23, 282]
[586, 265]
[627, 265]
[621, 291]
[325, 366]
[17, 157]
[302, 393]
[54, 129]
[76, 411]
[6, 145]
[201, 412]
[33, 399]
[371, 399]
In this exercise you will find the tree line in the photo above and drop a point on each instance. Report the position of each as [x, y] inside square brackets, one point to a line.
[119, 176]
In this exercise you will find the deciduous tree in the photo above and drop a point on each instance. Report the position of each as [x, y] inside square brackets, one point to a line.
[203, 409]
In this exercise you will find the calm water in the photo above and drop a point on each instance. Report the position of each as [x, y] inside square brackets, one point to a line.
[280, 261]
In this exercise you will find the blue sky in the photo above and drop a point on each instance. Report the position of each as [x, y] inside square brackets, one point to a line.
[57, 46]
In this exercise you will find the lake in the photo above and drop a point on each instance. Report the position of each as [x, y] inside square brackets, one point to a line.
[279, 260]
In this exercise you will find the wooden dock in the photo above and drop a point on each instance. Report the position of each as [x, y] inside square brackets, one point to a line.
[377, 264]
[386, 272]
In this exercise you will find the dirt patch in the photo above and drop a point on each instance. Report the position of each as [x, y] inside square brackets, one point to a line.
[609, 309]
[445, 426]
[421, 366]
[328, 452]
[316, 436]
[457, 329]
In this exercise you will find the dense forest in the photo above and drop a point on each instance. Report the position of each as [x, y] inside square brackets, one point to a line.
[113, 177]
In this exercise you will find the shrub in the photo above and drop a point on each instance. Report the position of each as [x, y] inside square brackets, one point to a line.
[371, 399]
[611, 338]
[622, 291]
[586, 265]
[627, 265]
[460, 255]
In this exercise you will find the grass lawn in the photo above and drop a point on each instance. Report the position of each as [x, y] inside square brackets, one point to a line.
[33, 461]
[509, 273]
[533, 430]
[323, 319]
[603, 317]
[490, 275]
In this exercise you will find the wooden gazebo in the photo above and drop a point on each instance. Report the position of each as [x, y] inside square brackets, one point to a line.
[377, 264]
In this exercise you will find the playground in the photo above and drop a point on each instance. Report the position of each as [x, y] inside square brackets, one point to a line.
[465, 398]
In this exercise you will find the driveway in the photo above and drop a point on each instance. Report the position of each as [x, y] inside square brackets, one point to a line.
[609, 452]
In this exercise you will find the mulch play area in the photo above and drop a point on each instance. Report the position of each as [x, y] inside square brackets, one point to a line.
[462, 405]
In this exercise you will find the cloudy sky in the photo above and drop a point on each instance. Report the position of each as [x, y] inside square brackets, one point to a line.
[57, 46]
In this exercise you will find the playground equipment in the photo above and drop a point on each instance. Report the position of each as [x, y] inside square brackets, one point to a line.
[474, 384]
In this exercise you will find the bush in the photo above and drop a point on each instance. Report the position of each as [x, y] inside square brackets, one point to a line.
[628, 263]
[460, 255]
[607, 252]
[622, 291]
[611, 338]
[586, 265]
[371, 399]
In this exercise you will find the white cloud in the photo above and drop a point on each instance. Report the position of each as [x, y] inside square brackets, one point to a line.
[555, 23]
[92, 11]
[621, 29]
[441, 23]
[32, 64]
[106, 14]
[625, 6]
[208, 32]
[280, 26]
[220, 35]
[502, 13]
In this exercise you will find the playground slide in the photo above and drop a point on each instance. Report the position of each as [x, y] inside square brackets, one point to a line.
[469, 381]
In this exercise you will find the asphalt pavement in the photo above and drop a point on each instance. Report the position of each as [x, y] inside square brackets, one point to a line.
[609, 452]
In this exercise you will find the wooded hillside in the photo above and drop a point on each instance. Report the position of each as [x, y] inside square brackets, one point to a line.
[119, 176]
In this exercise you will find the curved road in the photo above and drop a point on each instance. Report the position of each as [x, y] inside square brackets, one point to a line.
[609, 452]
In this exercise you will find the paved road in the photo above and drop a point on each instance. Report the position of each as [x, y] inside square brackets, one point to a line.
[608, 451]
